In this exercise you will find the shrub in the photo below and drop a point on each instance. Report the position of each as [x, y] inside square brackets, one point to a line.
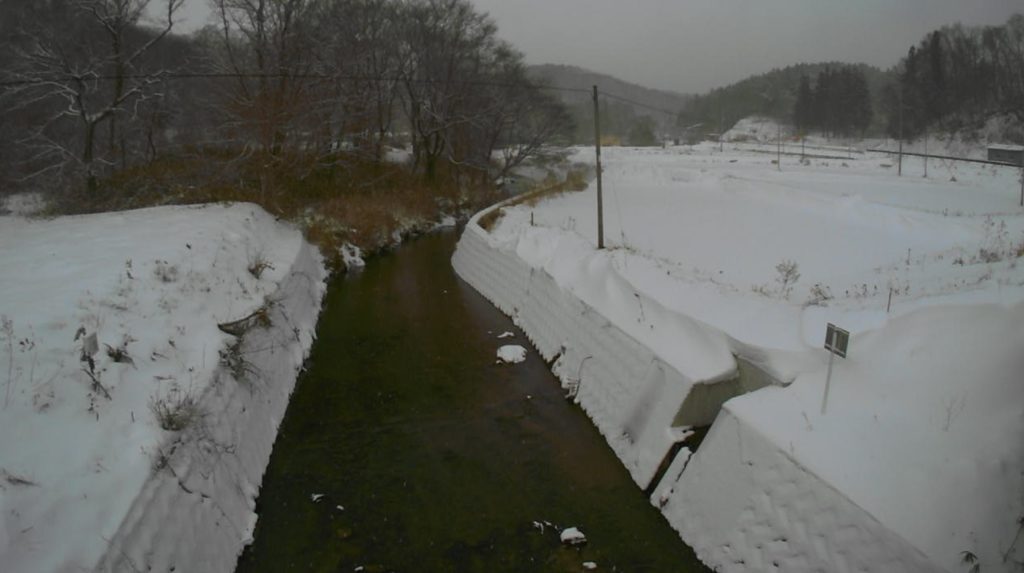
[820, 295]
[789, 274]
[257, 264]
[176, 411]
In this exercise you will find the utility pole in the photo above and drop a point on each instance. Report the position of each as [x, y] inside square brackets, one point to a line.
[1022, 179]
[597, 148]
[926, 153]
[778, 145]
[721, 124]
[901, 132]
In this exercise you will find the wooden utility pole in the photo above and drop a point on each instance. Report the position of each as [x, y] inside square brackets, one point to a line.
[721, 125]
[926, 154]
[597, 148]
[1022, 179]
[778, 145]
[901, 132]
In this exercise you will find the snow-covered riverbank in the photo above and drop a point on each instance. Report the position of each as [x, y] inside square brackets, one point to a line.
[133, 431]
[722, 255]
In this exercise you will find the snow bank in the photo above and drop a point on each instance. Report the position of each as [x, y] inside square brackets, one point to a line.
[743, 504]
[918, 457]
[109, 489]
[756, 128]
[892, 477]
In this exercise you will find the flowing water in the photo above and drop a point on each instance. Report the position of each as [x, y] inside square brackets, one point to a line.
[429, 457]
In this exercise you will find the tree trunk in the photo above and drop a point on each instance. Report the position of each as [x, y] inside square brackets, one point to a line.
[87, 157]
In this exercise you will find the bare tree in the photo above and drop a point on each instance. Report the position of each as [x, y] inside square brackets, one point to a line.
[365, 52]
[86, 64]
[448, 42]
[267, 45]
[515, 117]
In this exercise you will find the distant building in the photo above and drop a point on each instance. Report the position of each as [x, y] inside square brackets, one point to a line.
[1012, 154]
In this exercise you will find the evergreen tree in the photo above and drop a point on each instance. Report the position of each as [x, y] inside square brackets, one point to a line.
[803, 111]
[838, 104]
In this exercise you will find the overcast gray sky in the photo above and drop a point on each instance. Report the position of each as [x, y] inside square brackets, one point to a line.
[694, 45]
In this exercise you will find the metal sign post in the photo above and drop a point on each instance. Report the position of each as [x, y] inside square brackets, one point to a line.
[836, 341]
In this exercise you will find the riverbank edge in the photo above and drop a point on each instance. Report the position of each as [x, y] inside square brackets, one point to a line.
[595, 360]
[197, 510]
[741, 502]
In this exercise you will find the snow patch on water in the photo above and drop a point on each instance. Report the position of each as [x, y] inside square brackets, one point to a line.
[511, 354]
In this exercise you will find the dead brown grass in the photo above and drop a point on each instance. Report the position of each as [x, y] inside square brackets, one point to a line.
[345, 199]
[575, 180]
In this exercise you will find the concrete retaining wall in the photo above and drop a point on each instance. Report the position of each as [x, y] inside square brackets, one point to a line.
[197, 511]
[744, 505]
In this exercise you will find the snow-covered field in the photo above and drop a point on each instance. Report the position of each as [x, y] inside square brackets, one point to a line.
[714, 255]
[111, 363]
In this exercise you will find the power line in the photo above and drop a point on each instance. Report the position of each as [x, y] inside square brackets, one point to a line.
[250, 75]
[39, 81]
[639, 104]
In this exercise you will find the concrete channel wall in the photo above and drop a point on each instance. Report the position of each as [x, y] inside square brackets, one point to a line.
[197, 511]
[741, 501]
[633, 397]
[744, 505]
[591, 357]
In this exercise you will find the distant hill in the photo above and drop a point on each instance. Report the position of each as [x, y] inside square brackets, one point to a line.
[620, 119]
[771, 94]
[579, 78]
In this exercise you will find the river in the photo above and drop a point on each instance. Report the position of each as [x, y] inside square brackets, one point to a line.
[427, 456]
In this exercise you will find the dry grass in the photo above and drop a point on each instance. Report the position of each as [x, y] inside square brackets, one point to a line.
[176, 411]
[491, 218]
[575, 180]
[337, 200]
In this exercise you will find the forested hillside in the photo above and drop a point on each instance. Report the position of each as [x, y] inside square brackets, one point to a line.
[775, 94]
[957, 80]
[958, 77]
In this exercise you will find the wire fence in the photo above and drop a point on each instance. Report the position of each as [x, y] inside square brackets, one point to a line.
[945, 157]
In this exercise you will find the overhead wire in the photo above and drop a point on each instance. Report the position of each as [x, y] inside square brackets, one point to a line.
[637, 103]
[331, 77]
[58, 78]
